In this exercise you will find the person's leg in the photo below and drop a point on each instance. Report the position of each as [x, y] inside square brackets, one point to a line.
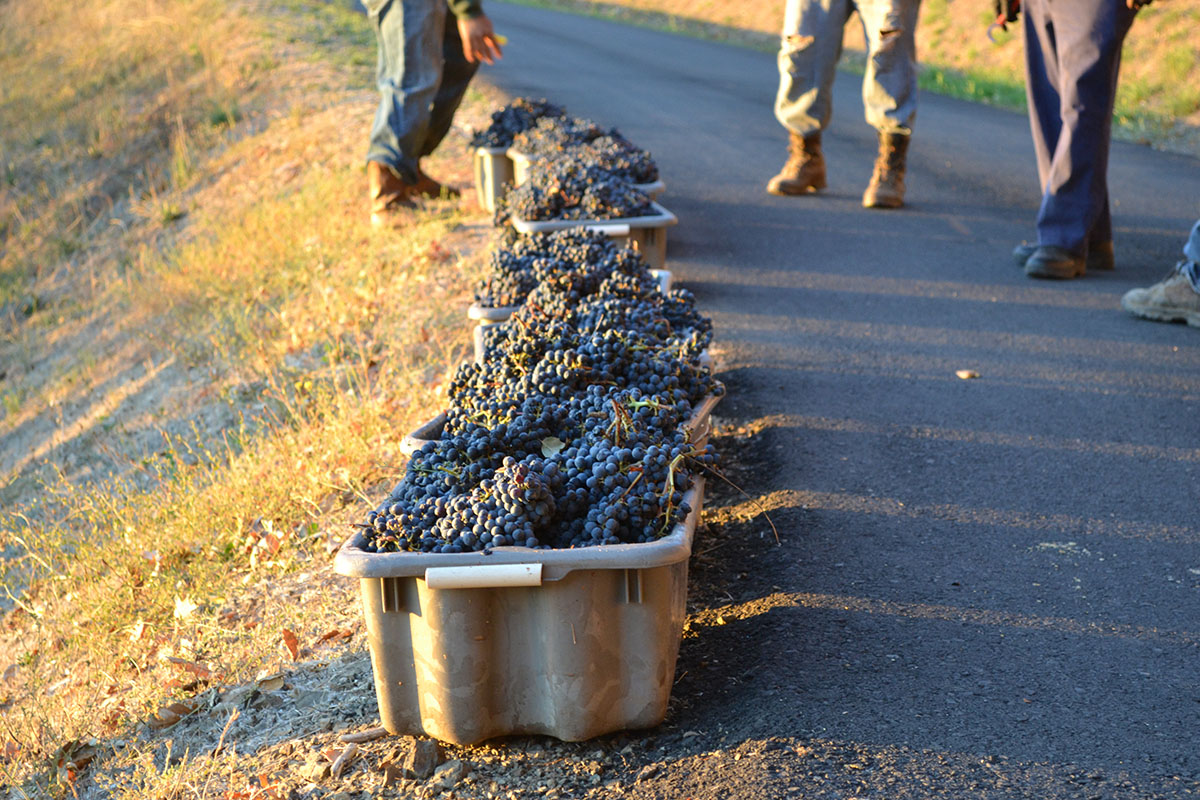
[409, 34]
[889, 89]
[808, 56]
[1041, 84]
[456, 75]
[1191, 252]
[889, 93]
[1088, 36]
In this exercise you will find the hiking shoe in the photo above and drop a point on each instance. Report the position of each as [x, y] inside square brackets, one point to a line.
[387, 191]
[1170, 300]
[804, 170]
[886, 189]
[1100, 257]
[1049, 261]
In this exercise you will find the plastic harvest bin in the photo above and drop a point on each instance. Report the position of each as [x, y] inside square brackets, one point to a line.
[521, 166]
[569, 643]
[698, 427]
[647, 233]
[493, 175]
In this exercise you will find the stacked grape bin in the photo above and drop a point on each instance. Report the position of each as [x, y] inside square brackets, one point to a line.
[529, 573]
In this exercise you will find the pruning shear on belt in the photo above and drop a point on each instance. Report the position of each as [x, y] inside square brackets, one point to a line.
[1006, 12]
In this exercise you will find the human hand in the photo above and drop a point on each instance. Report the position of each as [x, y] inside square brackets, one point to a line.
[480, 42]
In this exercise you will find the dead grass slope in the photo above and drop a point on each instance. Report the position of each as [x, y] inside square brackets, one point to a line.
[207, 358]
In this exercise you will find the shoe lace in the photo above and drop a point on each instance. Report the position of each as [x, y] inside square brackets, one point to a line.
[1180, 268]
[798, 152]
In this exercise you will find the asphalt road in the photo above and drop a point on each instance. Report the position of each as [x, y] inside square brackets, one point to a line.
[985, 587]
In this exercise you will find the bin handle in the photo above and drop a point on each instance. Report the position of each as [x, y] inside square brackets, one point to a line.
[484, 576]
[614, 230]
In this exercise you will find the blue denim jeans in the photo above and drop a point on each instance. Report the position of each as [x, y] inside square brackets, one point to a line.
[1191, 251]
[812, 45]
[422, 76]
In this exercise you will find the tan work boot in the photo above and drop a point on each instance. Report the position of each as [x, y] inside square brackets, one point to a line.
[805, 168]
[886, 189]
[387, 191]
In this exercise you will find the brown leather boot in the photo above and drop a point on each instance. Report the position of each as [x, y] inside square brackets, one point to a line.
[886, 189]
[805, 168]
[387, 191]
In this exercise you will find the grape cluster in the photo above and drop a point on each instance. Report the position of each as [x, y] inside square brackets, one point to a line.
[582, 141]
[517, 264]
[567, 189]
[519, 115]
[603, 467]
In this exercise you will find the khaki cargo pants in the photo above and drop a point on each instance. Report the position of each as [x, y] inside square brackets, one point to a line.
[809, 52]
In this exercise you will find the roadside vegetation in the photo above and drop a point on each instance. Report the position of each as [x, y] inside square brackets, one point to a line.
[207, 359]
[1158, 101]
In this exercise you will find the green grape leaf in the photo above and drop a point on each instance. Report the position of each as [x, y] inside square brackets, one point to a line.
[551, 445]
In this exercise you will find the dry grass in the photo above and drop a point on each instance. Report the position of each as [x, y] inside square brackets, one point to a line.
[1158, 100]
[209, 358]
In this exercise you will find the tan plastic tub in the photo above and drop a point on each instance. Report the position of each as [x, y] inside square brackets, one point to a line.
[647, 233]
[567, 643]
[493, 175]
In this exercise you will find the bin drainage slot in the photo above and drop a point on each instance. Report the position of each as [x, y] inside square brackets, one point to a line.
[633, 586]
[391, 594]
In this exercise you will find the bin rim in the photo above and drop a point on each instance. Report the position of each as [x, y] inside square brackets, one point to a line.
[661, 218]
[493, 151]
[354, 562]
[490, 313]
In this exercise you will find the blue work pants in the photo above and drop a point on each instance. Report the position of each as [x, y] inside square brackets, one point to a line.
[422, 76]
[1072, 56]
[1191, 254]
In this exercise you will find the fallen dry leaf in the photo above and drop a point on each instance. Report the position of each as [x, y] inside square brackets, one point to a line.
[201, 671]
[369, 735]
[293, 644]
[343, 759]
[333, 634]
[138, 631]
[270, 683]
[169, 715]
[184, 608]
[392, 774]
[73, 757]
